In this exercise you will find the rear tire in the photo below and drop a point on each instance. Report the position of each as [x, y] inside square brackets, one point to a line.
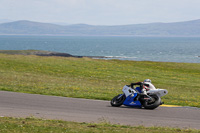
[116, 101]
[152, 104]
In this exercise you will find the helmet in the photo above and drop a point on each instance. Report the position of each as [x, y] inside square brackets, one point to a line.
[147, 80]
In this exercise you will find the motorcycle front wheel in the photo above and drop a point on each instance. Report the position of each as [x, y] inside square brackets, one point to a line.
[118, 100]
[152, 104]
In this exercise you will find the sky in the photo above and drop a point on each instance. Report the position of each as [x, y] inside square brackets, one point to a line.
[100, 12]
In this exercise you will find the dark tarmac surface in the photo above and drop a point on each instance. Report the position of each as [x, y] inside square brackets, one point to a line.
[82, 110]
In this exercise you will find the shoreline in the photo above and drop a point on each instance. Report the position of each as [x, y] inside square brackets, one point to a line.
[59, 54]
[45, 53]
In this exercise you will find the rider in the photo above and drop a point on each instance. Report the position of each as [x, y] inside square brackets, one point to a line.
[144, 86]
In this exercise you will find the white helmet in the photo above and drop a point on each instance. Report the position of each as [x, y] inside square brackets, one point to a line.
[147, 80]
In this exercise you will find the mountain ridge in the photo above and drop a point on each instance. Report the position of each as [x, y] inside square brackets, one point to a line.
[26, 27]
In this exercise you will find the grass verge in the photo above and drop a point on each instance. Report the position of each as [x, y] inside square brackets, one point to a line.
[32, 125]
[97, 79]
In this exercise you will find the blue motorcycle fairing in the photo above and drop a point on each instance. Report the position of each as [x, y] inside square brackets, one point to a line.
[129, 101]
[138, 89]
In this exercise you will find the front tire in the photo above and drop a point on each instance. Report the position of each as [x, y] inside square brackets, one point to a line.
[154, 103]
[118, 100]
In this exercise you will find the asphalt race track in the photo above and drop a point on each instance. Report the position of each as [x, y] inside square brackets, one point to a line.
[82, 110]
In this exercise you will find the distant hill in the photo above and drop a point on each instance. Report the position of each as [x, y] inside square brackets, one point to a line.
[24, 27]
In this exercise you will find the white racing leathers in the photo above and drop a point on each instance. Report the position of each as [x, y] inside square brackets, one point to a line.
[147, 86]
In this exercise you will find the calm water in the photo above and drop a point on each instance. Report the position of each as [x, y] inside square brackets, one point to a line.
[177, 49]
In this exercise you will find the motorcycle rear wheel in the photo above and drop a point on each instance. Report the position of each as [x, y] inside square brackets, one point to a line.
[117, 100]
[153, 103]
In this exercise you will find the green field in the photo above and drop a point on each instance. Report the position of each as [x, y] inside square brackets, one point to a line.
[32, 125]
[97, 79]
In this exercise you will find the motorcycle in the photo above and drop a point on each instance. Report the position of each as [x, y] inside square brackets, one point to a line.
[134, 98]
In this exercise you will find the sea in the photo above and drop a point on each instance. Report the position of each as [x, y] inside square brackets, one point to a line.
[162, 49]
